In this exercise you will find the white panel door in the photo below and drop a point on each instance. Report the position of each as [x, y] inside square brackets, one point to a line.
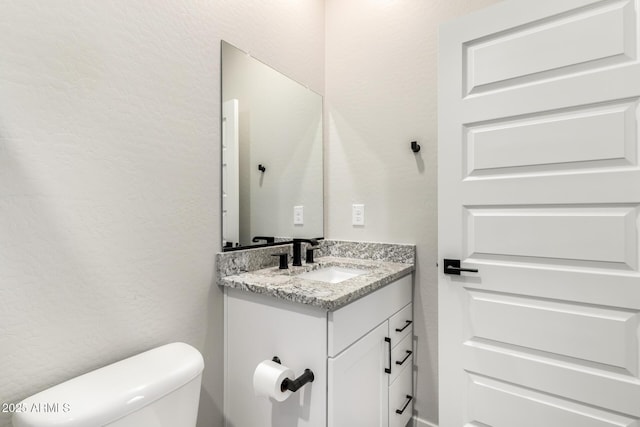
[230, 173]
[539, 190]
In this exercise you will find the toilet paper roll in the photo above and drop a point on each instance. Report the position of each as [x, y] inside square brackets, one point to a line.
[268, 377]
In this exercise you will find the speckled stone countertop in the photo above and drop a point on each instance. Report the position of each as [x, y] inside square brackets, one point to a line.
[383, 264]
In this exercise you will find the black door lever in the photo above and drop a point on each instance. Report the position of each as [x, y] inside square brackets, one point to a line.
[452, 266]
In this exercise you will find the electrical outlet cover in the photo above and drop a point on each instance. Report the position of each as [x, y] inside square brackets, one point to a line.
[298, 215]
[357, 214]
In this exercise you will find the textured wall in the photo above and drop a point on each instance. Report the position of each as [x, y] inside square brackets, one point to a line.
[381, 94]
[110, 176]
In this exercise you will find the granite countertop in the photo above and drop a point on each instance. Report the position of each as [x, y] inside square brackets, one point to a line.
[287, 285]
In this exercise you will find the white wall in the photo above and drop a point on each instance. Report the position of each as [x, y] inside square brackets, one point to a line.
[380, 93]
[110, 176]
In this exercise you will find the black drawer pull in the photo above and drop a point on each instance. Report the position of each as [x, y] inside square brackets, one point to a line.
[405, 326]
[409, 353]
[388, 340]
[409, 399]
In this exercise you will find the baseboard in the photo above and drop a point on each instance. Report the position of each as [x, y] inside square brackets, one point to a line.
[419, 422]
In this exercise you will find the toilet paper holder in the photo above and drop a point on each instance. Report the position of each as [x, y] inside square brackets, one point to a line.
[295, 384]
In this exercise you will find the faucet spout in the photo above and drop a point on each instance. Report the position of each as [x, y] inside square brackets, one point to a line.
[297, 249]
[267, 239]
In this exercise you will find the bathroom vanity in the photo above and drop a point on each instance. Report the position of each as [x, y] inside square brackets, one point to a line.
[347, 317]
[355, 335]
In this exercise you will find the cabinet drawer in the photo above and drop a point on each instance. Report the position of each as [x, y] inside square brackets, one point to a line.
[400, 324]
[349, 323]
[401, 397]
[401, 357]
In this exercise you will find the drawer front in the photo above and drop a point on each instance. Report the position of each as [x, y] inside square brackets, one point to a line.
[401, 397]
[349, 323]
[400, 324]
[401, 357]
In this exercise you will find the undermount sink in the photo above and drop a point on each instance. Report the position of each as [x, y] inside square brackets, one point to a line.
[332, 274]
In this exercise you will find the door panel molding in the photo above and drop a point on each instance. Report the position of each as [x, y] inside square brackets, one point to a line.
[524, 407]
[587, 38]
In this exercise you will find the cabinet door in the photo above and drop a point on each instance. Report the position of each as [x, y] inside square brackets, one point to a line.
[358, 384]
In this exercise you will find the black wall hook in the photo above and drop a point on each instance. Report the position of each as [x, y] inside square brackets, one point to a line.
[415, 147]
[261, 168]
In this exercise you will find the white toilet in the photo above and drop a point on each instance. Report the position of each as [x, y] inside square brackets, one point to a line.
[157, 388]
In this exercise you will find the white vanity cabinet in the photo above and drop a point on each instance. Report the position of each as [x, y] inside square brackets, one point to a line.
[360, 355]
[370, 360]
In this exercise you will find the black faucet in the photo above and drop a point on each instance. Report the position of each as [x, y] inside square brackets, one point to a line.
[297, 249]
[268, 239]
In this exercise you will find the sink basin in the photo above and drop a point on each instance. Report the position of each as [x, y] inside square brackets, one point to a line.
[332, 274]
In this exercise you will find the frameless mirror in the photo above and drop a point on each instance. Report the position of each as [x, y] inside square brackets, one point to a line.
[271, 154]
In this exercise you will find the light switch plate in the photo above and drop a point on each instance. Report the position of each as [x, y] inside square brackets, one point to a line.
[298, 215]
[357, 214]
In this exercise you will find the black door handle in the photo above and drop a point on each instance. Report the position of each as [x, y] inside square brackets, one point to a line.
[452, 266]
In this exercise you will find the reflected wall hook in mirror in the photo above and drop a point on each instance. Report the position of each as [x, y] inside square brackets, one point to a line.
[261, 168]
[415, 147]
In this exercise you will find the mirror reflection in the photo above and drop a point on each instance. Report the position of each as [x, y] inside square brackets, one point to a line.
[271, 154]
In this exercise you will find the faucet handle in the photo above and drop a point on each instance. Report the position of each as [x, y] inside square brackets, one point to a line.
[284, 260]
[309, 257]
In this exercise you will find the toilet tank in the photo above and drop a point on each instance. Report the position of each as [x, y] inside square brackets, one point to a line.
[157, 388]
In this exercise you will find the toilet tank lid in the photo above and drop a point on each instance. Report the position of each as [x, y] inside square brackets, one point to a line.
[111, 392]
